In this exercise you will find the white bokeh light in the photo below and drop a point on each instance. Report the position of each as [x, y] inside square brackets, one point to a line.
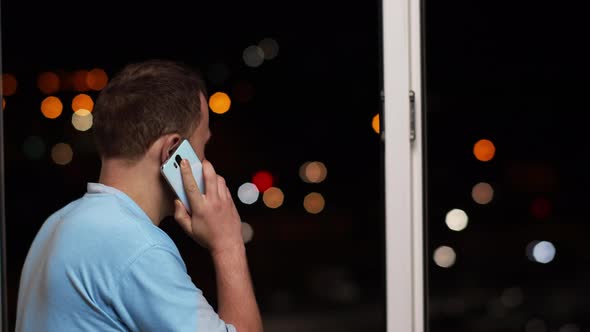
[248, 193]
[253, 56]
[270, 47]
[247, 232]
[456, 219]
[82, 119]
[544, 252]
[444, 256]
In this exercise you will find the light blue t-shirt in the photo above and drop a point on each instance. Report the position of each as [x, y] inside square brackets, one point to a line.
[100, 264]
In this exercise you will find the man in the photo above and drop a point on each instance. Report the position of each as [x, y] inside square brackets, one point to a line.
[101, 263]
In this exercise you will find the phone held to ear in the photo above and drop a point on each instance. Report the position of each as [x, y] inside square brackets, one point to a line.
[171, 171]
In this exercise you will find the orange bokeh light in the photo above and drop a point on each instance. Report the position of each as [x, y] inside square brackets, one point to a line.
[79, 80]
[51, 107]
[484, 150]
[375, 123]
[97, 79]
[3, 103]
[48, 82]
[82, 101]
[9, 84]
[314, 203]
[219, 102]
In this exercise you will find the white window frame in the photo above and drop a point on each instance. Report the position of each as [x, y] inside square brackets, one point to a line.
[404, 215]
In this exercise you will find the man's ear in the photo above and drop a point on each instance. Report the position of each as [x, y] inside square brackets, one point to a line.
[169, 144]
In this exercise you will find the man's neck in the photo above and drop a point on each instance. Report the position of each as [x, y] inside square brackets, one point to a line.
[139, 181]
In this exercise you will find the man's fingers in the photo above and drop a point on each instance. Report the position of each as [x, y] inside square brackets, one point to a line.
[181, 216]
[221, 186]
[190, 185]
[210, 179]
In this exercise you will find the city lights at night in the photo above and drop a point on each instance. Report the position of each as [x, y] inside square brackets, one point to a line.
[491, 205]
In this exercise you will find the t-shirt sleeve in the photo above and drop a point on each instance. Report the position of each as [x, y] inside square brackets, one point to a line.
[156, 294]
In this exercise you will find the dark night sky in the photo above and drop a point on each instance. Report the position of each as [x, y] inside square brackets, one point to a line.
[314, 101]
[512, 72]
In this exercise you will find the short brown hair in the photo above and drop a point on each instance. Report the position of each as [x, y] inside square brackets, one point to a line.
[143, 102]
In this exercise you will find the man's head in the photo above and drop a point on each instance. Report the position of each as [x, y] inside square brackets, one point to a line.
[145, 102]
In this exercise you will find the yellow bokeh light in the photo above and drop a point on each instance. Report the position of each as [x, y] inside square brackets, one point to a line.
[82, 101]
[219, 102]
[48, 82]
[484, 150]
[51, 107]
[314, 203]
[375, 123]
[97, 79]
[9, 84]
[62, 153]
[82, 119]
[273, 197]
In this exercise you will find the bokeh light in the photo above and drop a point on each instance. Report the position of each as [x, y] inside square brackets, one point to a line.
[48, 82]
[253, 56]
[82, 119]
[82, 101]
[34, 147]
[541, 208]
[218, 73]
[569, 327]
[219, 102]
[543, 252]
[484, 150]
[535, 325]
[3, 103]
[78, 80]
[375, 124]
[51, 107]
[456, 219]
[247, 232]
[9, 84]
[262, 180]
[482, 193]
[313, 172]
[540, 251]
[62, 153]
[444, 256]
[314, 203]
[97, 79]
[248, 193]
[269, 47]
[512, 297]
[273, 197]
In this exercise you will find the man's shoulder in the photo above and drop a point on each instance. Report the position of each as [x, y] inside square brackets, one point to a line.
[106, 221]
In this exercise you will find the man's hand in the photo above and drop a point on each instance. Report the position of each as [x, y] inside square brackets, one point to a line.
[215, 222]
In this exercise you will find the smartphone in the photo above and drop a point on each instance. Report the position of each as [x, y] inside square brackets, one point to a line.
[171, 171]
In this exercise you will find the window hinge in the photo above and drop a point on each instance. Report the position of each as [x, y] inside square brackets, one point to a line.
[412, 116]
